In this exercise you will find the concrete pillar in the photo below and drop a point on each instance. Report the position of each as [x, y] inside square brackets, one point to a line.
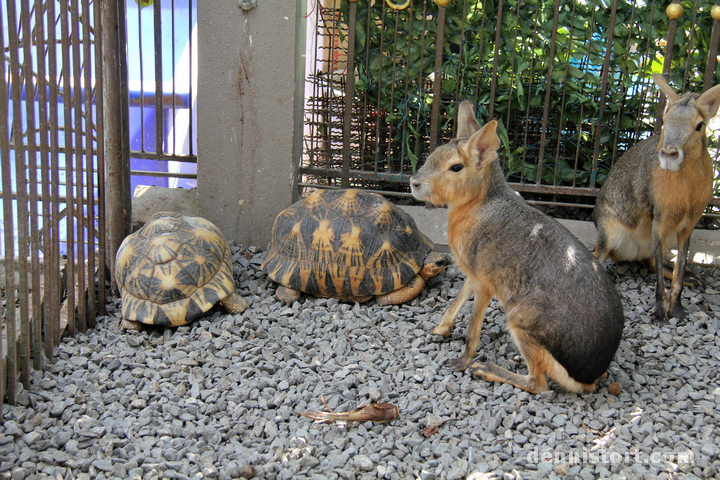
[250, 87]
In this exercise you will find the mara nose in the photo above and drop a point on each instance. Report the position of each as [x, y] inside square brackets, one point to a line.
[415, 183]
[670, 152]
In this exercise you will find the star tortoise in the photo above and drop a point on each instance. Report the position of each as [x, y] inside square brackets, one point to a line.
[352, 245]
[174, 269]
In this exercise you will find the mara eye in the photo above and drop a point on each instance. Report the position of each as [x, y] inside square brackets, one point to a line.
[699, 126]
[456, 168]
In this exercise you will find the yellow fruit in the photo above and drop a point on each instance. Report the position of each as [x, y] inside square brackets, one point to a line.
[715, 12]
[674, 11]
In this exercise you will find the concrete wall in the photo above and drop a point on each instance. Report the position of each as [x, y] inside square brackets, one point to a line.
[251, 68]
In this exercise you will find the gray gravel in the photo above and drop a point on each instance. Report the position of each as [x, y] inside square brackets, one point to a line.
[219, 398]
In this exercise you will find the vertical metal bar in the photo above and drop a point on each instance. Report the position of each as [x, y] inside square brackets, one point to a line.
[621, 82]
[458, 73]
[21, 208]
[421, 81]
[378, 111]
[364, 113]
[80, 160]
[391, 109]
[52, 322]
[548, 90]
[691, 35]
[349, 94]
[142, 77]
[526, 129]
[89, 165]
[100, 152]
[33, 250]
[584, 84]
[124, 90]
[315, 120]
[29, 322]
[49, 276]
[159, 123]
[334, 30]
[561, 126]
[8, 377]
[493, 77]
[114, 107]
[172, 60]
[713, 50]
[406, 104]
[513, 75]
[480, 45]
[603, 91]
[667, 61]
[69, 164]
[191, 149]
[647, 57]
[437, 81]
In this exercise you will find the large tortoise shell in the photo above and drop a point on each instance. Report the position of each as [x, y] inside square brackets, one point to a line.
[172, 270]
[345, 244]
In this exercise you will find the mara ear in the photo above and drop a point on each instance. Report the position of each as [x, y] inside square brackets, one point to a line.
[467, 123]
[665, 87]
[483, 145]
[710, 101]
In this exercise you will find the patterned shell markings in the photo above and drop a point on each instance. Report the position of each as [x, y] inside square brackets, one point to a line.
[346, 244]
[172, 270]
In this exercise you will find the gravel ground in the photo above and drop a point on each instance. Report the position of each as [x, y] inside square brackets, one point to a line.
[219, 398]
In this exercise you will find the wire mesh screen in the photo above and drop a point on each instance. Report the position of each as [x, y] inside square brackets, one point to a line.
[569, 82]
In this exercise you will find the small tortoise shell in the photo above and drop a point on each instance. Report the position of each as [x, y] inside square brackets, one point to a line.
[173, 270]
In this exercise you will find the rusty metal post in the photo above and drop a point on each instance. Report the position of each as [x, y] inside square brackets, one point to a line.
[100, 132]
[493, 79]
[713, 50]
[8, 377]
[548, 89]
[31, 322]
[349, 94]
[115, 107]
[52, 320]
[13, 354]
[673, 11]
[437, 81]
[603, 92]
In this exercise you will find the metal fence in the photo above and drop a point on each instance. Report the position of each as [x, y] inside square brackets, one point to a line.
[569, 82]
[161, 77]
[51, 152]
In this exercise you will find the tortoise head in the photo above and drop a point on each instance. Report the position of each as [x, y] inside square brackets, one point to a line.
[435, 262]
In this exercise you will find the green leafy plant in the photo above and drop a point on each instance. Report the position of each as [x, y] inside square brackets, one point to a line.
[585, 130]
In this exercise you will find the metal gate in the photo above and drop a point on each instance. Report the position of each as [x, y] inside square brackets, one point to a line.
[51, 151]
[569, 83]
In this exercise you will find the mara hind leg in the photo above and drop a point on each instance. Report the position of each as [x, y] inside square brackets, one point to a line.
[689, 278]
[541, 364]
[620, 242]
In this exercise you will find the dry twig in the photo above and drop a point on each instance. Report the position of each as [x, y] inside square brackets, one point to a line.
[372, 412]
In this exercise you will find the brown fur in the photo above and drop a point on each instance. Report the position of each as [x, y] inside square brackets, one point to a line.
[562, 310]
[656, 193]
